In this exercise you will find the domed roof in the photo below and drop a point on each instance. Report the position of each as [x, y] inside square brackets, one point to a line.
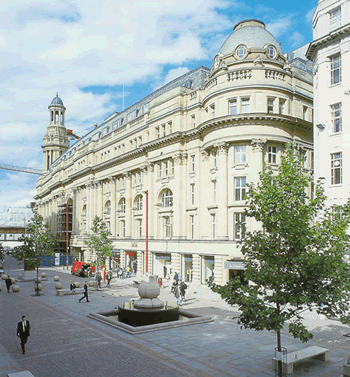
[57, 101]
[252, 34]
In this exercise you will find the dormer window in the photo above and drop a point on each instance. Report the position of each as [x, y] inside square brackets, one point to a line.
[241, 52]
[271, 52]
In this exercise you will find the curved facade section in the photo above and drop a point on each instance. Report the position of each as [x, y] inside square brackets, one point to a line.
[194, 145]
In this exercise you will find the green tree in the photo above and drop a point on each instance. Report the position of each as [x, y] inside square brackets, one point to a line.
[99, 243]
[2, 253]
[298, 261]
[38, 243]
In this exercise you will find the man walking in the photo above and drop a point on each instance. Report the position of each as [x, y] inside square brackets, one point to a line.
[85, 290]
[23, 331]
[8, 283]
[108, 277]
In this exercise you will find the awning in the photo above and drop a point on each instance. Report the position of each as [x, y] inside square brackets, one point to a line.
[131, 253]
[234, 265]
[163, 256]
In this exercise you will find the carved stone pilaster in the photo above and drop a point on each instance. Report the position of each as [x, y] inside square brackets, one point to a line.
[127, 175]
[222, 147]
[205, 155]
[258, 144]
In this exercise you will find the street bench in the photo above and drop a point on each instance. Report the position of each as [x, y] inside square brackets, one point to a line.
[301, 355]
[64, 292]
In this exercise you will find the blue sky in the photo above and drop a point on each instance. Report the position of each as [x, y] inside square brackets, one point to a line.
[87, 51]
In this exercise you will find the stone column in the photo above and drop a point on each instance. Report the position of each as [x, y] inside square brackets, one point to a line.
[113, 182]
[74, 212]
[139, 261]
[89, 211]
[178, 220]
[257, 159]
[222, 187]
[176, 264]
[122, 258]
[218, 269]
[196, 266]
[128, 203]
[152, 213]
[99, 192]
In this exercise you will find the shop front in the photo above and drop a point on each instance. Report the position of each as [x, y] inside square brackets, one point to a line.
[131, 261]
[161, 264]
[114, 260]
[186, 267]
[235, 268]
[207, 268]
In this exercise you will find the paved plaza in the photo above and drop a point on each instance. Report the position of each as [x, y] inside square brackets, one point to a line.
[64, 342]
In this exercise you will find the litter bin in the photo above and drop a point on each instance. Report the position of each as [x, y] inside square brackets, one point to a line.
[160, 282]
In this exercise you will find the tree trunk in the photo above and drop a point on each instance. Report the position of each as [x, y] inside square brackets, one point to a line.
[279, 349]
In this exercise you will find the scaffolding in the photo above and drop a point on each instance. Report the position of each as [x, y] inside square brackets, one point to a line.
[64, 227]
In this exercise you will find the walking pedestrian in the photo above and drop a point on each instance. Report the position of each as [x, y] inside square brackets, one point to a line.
[99, 279]
[128, 271]
[23, 331]
[108, 277]
[176, 277]
[181, 292]
[72, 287]
[8, 283]
[85, 290]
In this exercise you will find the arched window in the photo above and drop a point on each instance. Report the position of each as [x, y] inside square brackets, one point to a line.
[56, 117]
[138, 203]
[83, 212]
[122, 205]
[167, 198]
[108, 207]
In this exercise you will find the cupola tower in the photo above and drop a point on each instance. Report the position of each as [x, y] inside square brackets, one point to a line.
[56, 140]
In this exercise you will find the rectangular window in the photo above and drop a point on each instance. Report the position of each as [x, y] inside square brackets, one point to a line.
[270, 105]
[214, 190]
[239, 225]
[163, 130]
[240, 187]
[131, 144]
[335, 18]
[160, 170]
[166, 168]
[337, 117]
[193, 163]
[140, 140]
[123, 148]
[172, 167]
[232, 107]
[192, 194]
[167, 227]
[170, 127]
[214, 225]
[192, 226]
[157, 133]
[245, 105]
[282, 103]
[193, 121]
[240, 154]
[139, 227]
[336, 168]
[122, 228]
[272, 155]
[335, 69]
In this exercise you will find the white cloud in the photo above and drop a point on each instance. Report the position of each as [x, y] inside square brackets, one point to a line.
[310, 14]
[297, 39]
[277, 28]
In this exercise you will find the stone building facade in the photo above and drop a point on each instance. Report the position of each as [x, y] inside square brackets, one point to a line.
[193, 144]
[330, 53]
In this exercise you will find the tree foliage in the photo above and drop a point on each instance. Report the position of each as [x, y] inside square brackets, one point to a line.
[298, 261]
[2, 253]
[99, 243]
[38, 243]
